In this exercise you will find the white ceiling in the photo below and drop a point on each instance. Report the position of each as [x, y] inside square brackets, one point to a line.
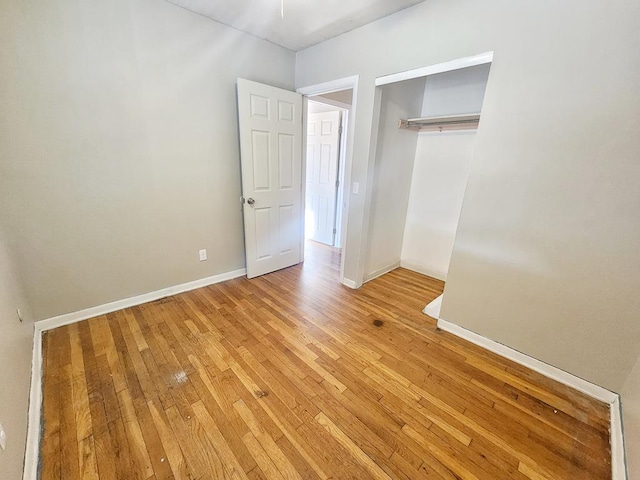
[305, 22]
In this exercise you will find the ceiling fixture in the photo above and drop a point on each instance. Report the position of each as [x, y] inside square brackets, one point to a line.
[282, 8]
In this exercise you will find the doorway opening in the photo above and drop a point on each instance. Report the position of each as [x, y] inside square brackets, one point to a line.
[328, 130]
[325, 160]
[326, 121]
[272, 132]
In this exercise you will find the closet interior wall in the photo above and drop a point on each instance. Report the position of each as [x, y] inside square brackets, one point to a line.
[395, 154]
[420, 177]
[440, 172]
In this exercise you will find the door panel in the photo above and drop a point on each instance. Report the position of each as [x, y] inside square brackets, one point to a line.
[323, 140]
[270, 123]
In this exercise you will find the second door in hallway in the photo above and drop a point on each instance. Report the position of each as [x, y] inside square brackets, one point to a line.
[323, 143]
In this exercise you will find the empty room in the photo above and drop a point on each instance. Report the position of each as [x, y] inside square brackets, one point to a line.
[272, 239]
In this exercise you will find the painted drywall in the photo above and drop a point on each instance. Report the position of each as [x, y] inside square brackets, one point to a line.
[342, 96]
[15, 364]
[631, 420]
[119, 154]
[438, 183]
[455, 92]
[395, 155]
[440, 171]
[315, 107]
[546, 258]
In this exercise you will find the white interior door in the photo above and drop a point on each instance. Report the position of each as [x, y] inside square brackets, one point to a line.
[270, 124]
[323, 152]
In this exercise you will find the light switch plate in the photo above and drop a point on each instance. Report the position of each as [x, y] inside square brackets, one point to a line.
[355, 188]
[202, 254]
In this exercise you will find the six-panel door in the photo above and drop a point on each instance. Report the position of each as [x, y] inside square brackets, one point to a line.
[270, 122]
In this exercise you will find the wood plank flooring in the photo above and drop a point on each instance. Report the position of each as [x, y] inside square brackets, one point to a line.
[295, 376]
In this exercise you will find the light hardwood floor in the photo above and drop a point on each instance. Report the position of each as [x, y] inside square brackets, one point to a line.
[295, 376]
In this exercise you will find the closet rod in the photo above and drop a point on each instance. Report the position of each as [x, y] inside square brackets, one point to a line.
[449, 122]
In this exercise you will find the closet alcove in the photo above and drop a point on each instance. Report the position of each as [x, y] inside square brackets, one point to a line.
[424, 147]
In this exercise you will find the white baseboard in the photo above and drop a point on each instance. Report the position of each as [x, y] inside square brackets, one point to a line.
[381, 271]
[32, 453]
[349, 283]
[80, 315]
[414, 267]
[577, 383]
[618, 458]
[618, 464]
[433, 309]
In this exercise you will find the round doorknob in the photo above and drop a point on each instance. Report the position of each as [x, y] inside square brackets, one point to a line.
[251, 201]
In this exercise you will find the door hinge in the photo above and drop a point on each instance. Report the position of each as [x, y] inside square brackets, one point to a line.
[340, 130]
[337, 183]
[335, 231]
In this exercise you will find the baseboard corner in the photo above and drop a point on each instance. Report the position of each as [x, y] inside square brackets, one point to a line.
[381, 271]
[349, 283]
[618, 456]
[414, 267]
[32, 448]
[32, 451]
[433, 308]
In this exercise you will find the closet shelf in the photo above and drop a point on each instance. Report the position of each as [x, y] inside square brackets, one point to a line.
[468, 121]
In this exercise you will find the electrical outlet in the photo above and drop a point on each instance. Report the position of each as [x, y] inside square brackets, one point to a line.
[19, 315]
[203, 254]
[3, 438]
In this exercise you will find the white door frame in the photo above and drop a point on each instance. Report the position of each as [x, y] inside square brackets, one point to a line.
[320, 89]
[456, 64]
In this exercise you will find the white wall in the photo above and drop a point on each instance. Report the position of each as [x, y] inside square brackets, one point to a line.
[455, 92]
[119, 145]
[631, 420]
[15, 362]
[546, 258]
[439, 180]
[440, 171]
[395, 154]
[315, 107]
[342, 96]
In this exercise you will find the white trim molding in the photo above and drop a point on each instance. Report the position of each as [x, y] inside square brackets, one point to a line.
[331, 86]
[618, 464]
[32, 452]
[480, 59]
[618, 458]
[80, 315]
[577, 383]
[433, 309]
[347, 282]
